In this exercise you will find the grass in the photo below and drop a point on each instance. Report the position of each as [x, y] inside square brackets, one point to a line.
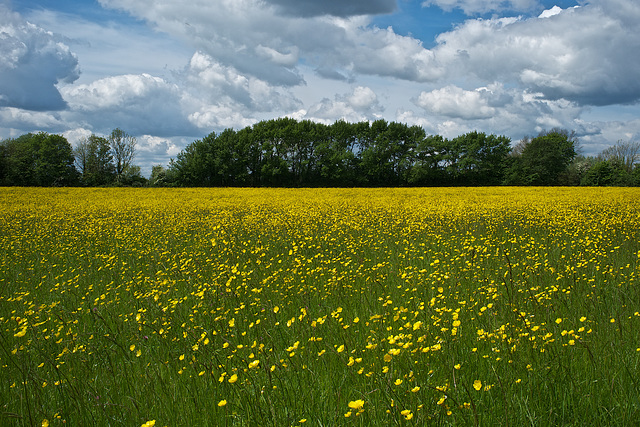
[494, 306]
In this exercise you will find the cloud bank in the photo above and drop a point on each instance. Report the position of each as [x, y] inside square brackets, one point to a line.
[32, 62]
[235, 62]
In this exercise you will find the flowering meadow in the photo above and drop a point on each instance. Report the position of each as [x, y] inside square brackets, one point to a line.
[212, 307]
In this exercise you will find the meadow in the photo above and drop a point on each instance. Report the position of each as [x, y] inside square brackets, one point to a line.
[212, 307]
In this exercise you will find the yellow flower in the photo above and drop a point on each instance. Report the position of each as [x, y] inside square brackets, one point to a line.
[356, 404]
[222, 402]
[45, 423]
[22, 332]
[147, 424]
[341, 349]
[232, 322]
[233, 378]
[254, 364]
[477, 384]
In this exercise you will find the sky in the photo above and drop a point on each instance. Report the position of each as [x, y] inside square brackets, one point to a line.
[170, 72]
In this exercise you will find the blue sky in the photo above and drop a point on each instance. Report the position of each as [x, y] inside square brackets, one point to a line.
[170, 72]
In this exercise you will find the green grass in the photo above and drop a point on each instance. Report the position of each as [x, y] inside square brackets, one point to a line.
[342, 295]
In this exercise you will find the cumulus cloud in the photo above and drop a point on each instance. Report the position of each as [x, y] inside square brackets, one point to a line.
[359, 105]
[137, 103]
[220, 96]
[452, 101]
[587, 55]
[498, 109]
[32, 62]
[252, 37]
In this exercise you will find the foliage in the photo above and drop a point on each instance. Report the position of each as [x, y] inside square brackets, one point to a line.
[543, 160]
[37, 159]
[95, 161]
[123, 149]
[285, 152]
[484, 306]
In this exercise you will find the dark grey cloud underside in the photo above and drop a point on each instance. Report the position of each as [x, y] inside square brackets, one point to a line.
[341, 8]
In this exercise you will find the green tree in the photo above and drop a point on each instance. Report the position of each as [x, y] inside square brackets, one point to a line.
[623, 153]
[123, 149]
[38, 159]
[544, 159]
[95, 161]
[477, 159]
[192, 166]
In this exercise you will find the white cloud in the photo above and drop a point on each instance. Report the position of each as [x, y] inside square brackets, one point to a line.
[497, 109]
[360, 105]
[32, 62]
[588, 55]
[555, 10]
[253, 38]
[452, 101]
[136, 103]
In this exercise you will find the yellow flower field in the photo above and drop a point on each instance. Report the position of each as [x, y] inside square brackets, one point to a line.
[465, 306]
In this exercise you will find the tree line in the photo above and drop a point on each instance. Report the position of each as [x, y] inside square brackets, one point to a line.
[44, 159]
[285, 152]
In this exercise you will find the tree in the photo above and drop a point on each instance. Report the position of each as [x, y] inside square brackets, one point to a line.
[55, 162]
[123, 149]
[627, 154]
[477, 159]
[37, 159]
[607, 173]
[95, 161]
[543, 159]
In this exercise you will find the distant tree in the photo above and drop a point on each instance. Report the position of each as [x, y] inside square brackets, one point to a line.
[158, 176]
[95, 161]
[38, 159]
[132, 177]
[477, 159]
[624, 153]
[192, 166]
[543, 159]
[426, 159]
[123, 149]
[576, 171]
[18, 161]
[607, 173]
[55, 161]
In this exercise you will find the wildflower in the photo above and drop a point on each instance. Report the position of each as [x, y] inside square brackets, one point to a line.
[233, 378]
[477, 384]
[223, 402]
[147, 424]
[356, 404]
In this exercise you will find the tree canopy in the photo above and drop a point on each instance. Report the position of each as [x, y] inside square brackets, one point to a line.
[285, 152]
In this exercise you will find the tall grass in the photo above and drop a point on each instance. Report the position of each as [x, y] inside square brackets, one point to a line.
[501, 306]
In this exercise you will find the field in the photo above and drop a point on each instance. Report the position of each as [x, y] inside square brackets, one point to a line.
[483, 306]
